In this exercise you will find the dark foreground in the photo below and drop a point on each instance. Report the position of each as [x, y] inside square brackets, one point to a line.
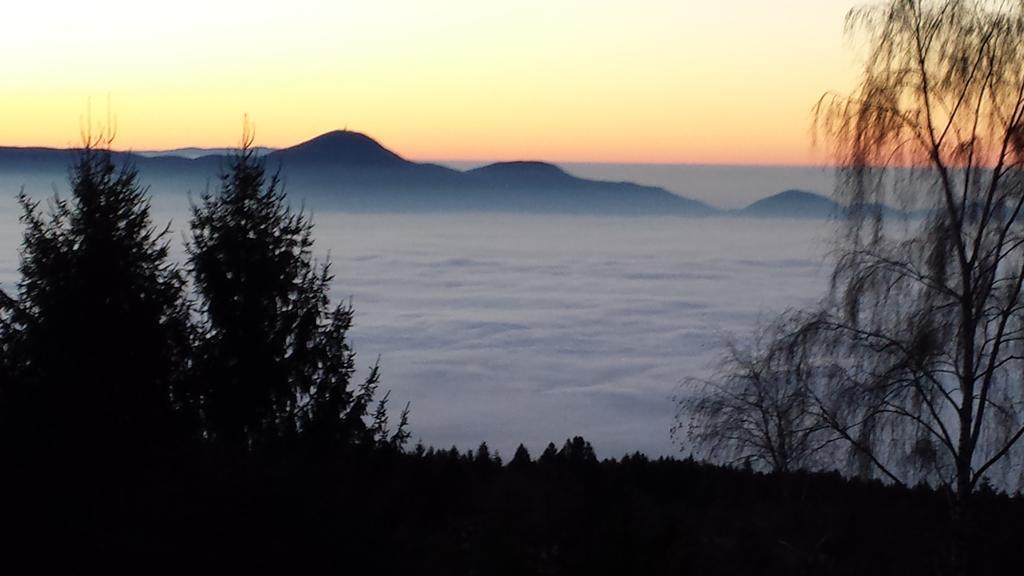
[431, 512]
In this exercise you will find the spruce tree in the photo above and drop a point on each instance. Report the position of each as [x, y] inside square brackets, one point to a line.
[521, 458]
[274, 362]
[97, 336]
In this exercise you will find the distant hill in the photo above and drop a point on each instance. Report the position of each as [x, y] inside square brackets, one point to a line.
[193, 152]
[803, 204]
[793, 204]
[351, 171]
[339, 148]
[539, 174]
[22, 160]
[549, 187]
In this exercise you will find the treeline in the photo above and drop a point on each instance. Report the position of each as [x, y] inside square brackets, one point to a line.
[466, 513]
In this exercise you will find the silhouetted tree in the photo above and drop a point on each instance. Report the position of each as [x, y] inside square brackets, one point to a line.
[758, 409]
[549, 456]
[97, 338]
[577, 451]
[483, 454]
[274, 362]
[521, 458]
[916, 355]
[915, 358]
[927, 314]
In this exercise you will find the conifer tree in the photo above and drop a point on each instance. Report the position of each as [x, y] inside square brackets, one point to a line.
[97, 336]
[521, 458]
[274, 362]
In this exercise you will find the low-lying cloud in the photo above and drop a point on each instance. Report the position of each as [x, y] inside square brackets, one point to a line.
[510, 329]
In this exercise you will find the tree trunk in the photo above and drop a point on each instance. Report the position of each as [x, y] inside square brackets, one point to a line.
[960, 564]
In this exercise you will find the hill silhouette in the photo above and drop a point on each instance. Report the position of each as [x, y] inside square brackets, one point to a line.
[353, 171]
[793, 204]
[545, 185]
[348, 170]
[535, 172]
[340, 147]
[193, 152]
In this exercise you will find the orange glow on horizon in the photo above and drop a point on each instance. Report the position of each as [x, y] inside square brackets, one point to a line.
[654, 82]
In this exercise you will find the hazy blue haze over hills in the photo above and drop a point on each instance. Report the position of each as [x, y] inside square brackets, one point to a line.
[793, 204]
[350, 171]
[194, 152]
[724, 187]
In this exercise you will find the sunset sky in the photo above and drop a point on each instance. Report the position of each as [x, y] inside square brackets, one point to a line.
[730, 81]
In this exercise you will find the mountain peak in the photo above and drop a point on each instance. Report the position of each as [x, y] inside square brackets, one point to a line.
[797, 195]
[794, 203]
[530, 169]
[339, 136]
[341, 147]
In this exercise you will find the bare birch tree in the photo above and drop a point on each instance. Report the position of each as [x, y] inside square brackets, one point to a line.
[921, 363]
[927, 313]
[916, 357]
[757, 409]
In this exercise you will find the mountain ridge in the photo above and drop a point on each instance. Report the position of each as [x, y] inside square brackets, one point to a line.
[793, 203]
[339, 146]
[350, 170]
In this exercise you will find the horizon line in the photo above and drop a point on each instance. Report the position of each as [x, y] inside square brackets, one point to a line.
[434, 160]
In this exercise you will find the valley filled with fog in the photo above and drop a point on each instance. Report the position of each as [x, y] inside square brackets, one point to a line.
[511, 328]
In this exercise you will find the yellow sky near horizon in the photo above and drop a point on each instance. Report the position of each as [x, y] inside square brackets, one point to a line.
[731, 81]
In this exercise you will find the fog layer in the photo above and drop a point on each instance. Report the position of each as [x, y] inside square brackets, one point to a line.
[508, 329]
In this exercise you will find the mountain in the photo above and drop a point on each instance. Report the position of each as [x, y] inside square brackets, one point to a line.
[340, 148]
[192, 152]
[28, 160]
[350, 170]
[533, 173]
[802, 204]
[544, 186]
[793, 204]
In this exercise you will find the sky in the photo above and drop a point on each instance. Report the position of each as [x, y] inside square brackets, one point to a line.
[645, 81]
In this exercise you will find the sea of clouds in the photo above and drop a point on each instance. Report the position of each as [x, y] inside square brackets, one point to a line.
[509, 329]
